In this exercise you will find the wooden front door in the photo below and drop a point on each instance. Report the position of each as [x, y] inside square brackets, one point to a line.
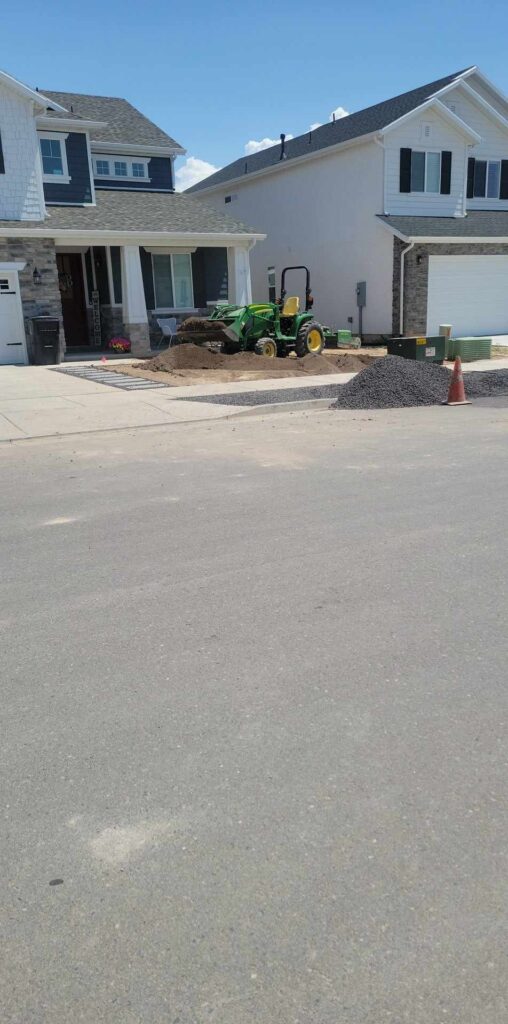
[72, 293]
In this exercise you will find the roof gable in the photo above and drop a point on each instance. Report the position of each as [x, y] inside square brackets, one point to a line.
[21, 89]
[124, 123]
[363, 122]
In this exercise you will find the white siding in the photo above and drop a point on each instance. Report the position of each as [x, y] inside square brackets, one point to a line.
[409, 135]
[322, 213]
[493, 145]
[21, 195]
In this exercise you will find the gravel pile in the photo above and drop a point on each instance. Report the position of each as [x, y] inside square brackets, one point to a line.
[395, 383]
[486, 383]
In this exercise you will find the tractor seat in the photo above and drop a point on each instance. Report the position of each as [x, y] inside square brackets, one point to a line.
[291, 306]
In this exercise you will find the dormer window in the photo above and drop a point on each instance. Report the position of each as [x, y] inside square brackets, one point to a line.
[114, 169]
[54, 158]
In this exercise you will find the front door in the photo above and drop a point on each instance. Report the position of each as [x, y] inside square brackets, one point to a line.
[12, 331]
[72, 294]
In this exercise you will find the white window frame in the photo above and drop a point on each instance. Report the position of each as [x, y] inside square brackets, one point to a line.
[56, 179]
[425, 191]
[488, 160]
[173, 309]
[129, 160]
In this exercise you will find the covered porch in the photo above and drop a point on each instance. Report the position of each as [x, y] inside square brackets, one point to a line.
[108, 291]
[115, 268]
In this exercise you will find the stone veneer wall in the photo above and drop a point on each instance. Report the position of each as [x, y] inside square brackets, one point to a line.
[416, 278]
[37, 300]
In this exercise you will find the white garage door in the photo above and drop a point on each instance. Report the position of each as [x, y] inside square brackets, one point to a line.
[469, 292]
[12, 332]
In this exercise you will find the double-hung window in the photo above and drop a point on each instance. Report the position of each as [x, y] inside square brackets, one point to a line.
[487, 179]
[172, 281]
[54, 158]
[425, 171]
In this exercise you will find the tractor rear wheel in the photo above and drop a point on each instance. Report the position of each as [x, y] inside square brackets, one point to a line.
[266, 347]
[309, 340]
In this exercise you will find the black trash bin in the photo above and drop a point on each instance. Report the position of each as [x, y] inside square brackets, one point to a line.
[46, 340]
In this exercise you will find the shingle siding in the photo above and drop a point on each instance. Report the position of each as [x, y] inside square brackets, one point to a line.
[21, 195]
[79, 189]
[159, 175]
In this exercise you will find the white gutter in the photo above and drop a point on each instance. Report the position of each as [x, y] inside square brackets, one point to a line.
[128, 149]
[401, 310]
[161, 237]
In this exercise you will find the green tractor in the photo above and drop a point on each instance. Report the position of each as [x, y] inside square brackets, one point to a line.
[271, 328]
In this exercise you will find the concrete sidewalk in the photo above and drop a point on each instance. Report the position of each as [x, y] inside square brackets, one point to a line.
[37, 402]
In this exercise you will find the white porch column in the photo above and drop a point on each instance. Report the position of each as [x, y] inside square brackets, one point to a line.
[135, 318]
[239, 283]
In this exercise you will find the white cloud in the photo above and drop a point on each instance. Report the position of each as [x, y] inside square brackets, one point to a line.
[339, 112]
[192, 171]
[255, 147]
[314, 125]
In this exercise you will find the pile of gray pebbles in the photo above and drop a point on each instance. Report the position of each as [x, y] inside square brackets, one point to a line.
[396, 383]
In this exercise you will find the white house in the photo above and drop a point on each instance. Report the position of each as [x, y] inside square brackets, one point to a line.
[409, 196]
[92, 232]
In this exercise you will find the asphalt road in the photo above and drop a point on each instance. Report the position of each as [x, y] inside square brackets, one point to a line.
[253, 722]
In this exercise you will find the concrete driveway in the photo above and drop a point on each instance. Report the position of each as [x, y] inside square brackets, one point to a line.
[254, 713]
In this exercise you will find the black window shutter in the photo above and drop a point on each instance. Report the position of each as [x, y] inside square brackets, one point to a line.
[503, 191]
[405, 170]
[470, 177]
[2, 162]
[446, 172]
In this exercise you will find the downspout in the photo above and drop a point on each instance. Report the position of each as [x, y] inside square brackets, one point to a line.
[379, 141]
[402, 264]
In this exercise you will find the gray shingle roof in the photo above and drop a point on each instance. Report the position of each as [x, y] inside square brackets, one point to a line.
[148, 212]
[477, 224]
[124, 122]
[363, 122]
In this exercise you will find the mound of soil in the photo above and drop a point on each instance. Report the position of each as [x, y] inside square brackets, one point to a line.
[395, 383]
[197, 357]
[199, 324]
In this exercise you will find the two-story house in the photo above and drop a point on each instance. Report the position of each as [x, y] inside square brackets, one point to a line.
[91, 229]
[409, 196]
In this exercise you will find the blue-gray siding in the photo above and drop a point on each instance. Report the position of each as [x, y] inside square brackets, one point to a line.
[79, 189]
[159, 173]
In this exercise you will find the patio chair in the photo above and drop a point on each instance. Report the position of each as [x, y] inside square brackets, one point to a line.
[167, 327]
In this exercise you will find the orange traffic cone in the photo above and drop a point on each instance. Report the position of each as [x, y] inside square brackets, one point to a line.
[456, 393]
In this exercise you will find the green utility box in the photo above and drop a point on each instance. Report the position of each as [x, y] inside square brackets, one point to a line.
[340, 339]
[425, 350]
[469, 348]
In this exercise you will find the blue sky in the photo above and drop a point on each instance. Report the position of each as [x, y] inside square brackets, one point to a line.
[219, 75]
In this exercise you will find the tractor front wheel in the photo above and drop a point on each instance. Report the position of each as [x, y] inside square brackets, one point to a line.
[309, 340]
[266, 347]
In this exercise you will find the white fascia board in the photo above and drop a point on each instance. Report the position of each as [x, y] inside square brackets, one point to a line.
[448, 240]
[476, 71]
[284, 165]
[456, 81]
[30, 94]
[479, 100]
[129, 149]
[447, 115]
[445, 239]
[43, 121]
[76, 237]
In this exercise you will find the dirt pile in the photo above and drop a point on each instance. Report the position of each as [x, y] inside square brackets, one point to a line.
[200, 325]
[395, 383]
[197, 357]
[486, 383]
